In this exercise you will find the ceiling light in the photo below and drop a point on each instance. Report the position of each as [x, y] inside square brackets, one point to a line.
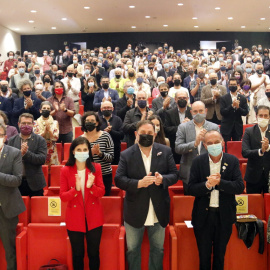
[217, 8]
[100, 19]
[53, 27]
[147, 17]
[31, 21]
[196, 26]
[131, 6]
[33, 11]
[133, 26]
[262, 19]
[230, 18]
[86, 7]
[17, 29]
[243, 26]
[165, 25]
[180, 4]
[64, 19]
[194, 18]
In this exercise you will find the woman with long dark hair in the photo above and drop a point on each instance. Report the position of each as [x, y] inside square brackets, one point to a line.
[82, 186]
[160, 138]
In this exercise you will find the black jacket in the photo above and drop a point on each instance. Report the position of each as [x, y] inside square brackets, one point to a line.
[256, 164]
[131, 169]
[232, 117]
[121, 107]
[231, 183]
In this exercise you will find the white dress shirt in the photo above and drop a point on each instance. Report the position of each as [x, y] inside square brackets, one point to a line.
[214, 168]
[151, 218]
[74, 91]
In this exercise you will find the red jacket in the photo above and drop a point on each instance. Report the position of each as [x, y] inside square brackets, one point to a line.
[77, 208]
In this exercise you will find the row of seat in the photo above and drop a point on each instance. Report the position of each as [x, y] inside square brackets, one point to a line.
[45, 238]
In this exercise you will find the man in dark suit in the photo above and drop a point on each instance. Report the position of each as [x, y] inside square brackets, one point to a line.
[11, 203]
[176, 116]
[104, 94]
[34, 152]
[255, 147]
[145, 172]
[215, 178]
[191, 77]
[97, 71]
[166, 72]
[232, 107]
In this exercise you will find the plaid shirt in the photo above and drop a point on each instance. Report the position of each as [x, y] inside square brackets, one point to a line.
[198, 94]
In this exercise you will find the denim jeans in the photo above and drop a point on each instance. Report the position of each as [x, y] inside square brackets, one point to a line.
[156, 235]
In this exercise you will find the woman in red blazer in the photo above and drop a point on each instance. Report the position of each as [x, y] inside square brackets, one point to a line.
[82, 186]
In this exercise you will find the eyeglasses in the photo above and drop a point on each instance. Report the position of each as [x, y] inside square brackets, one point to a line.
[25, 124]
[2, 135]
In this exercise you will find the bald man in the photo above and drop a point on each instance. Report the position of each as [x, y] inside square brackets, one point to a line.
[113, 125]
[215, 179]
[189, 139]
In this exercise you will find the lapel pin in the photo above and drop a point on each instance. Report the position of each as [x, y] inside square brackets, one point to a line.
[159, 154]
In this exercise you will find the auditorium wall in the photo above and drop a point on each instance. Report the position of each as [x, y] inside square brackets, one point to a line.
[177, 39]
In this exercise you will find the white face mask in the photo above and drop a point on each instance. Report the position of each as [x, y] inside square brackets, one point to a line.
[262, 122]
[157, 129]
[39, 86]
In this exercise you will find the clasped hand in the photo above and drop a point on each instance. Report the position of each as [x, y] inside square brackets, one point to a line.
[149, 180]
[213, 180]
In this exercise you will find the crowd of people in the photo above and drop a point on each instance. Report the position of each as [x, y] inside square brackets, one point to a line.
[170, 106]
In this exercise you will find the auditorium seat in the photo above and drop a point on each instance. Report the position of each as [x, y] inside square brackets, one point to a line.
[112, 249]
[54, 188]
[112, 209]
[123, 146]
[150, 99]
[80, 98]
[39, 211]
[78, 131]
[266, 206]
[45, 170]
[235, 148]
[114, 169]
[66, 153]
[59, 152]
[24, 217]
[43, 242]
[184, 254]
[246, 126]
[243, 169]
[81, 110]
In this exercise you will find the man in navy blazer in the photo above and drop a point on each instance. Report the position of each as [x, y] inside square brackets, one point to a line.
[215, 178]
[105, 93]
[145, 172]
[5, 106]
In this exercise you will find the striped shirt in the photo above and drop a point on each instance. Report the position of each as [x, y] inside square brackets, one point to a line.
[106, 147]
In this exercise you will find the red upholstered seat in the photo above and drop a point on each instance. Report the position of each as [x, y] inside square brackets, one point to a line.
[45, 170]
[54, 188]
[66, 153]
[81, 110]
[235, 148]
[78, 132]
[123, 146]
[24, 217]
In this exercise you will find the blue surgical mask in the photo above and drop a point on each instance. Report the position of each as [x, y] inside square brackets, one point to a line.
[220, 58]
[166, 65]
[199, 117]
[222, 68]
[229, 60]
[81, 156]
[75, 62]
[189, 58]
[87, 71]
[214, 149]
[130, 91]
[90, 84]
[21, 70]
[171, 64]
[248, 70]
[99, 64]
[139, 80]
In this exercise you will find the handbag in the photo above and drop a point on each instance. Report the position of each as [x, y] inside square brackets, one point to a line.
[54, 266]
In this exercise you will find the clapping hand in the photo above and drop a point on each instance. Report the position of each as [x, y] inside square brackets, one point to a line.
[265, 144]
[159, 178]
[95, 149]
[146, 181]
[213, 180]
[24, 148]
[90, 180]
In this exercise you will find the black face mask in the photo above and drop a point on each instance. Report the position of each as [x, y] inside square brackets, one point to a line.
[164, 94]
[59, 77]
[131, 74]
[141, 70]
[70, 74]
[267, 94]
[107, 113]
[45, 113]
[27, 93]
[4, 88]
[89, 126]
[177, 82]
[94, 63]
[182, 103]
[146, 140]
[117, 76]
[105, 85]
[233, 88]
[154, 60]
[47, 80]
[213, 81]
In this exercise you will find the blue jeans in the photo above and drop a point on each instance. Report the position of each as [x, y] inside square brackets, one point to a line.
[156, 235]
